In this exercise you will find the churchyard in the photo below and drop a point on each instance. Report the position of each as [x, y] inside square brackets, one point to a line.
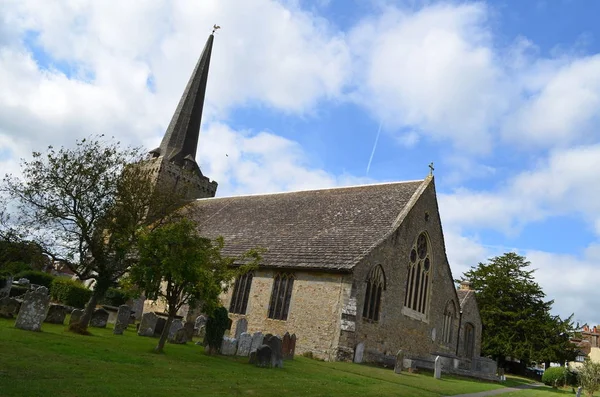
[60, 363]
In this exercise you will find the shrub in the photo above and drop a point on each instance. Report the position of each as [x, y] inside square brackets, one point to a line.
[216, 325]
[115, 297]
[555, 376]
[70, 292]
[589, 376]
[36, 277]
[14, 267]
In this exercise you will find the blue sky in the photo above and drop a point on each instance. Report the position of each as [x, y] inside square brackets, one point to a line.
[503, 97]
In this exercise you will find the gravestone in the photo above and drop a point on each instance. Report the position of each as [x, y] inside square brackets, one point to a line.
[199, 324]
[229, 346]
[359, 352]
[176, 325]
[179, 338]
[33, 309]
[75, 316]
[9, 307]
[252, 359]
[99, 318]
[292, 346]
[579, 390]
[257, 341]
[263, 356]
[148, 324]
[399, 366]
[285, 346]
[437, 371]
[137, 307]
[56, 314]
[241, 326]
[113, 312]
[244, 343]
[276, 354]
[161, 323]
[189, 330]
[123, 316]
[5, 288]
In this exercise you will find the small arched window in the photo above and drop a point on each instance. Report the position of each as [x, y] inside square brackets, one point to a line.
[375, 288]
[281, 295]
[469, 342]
[419, 275]
[241, 292]
[449, 314]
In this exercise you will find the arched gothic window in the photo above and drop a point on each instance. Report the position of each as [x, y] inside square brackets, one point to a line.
[375, 287]
[241, 292]
[449, 314]
[419, 275]
[469, 342]
[281, 295]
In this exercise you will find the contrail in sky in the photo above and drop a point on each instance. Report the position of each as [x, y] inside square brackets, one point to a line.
[374, 147]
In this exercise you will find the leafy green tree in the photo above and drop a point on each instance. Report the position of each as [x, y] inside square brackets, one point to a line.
[589, 377]
[515, 315]
[179, 266]
[83, 207]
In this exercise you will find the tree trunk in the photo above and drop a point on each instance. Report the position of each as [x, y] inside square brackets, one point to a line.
[165, 333]
[98, 293]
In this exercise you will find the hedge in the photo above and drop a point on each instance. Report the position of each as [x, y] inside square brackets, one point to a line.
[115, 297]
[36, 277]
[70, 292]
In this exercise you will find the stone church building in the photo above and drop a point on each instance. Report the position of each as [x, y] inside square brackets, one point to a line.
[357, 273]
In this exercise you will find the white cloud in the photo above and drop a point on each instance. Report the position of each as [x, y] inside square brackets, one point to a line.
[246, 162]
[433, 70]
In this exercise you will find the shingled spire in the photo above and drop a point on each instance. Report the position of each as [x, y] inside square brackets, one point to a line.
[173, 163]
[181, 139]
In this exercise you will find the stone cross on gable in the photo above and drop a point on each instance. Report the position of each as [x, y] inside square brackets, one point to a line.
[431, 168]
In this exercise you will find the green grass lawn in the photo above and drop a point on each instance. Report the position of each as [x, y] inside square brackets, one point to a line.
[58, 363]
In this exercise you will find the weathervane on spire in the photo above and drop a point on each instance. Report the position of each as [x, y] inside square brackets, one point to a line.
[215, 27]
[431, 168]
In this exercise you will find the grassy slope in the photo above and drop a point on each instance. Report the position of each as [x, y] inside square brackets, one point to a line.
[58, 363]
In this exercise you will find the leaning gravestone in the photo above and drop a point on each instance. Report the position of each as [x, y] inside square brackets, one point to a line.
[9, 307]
[359, 351]
[148, 324]
[241, 326]
[199, 324]
[122, 321]
[263, 356]
[244, 343]
[229, 346]
[277, 355]
[75, 316]
[437, 372]
[176, 325]
[99, 318]
[56, 314]
[33, 309]
[399, 362]
[292, 351]
[257, 341]
[5, 288]
[285, 345]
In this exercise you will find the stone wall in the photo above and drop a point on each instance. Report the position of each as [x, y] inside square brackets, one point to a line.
[397, 327]
[314, 312]
[168, 174]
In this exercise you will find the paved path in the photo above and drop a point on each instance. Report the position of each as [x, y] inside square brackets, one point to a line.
[500, 391]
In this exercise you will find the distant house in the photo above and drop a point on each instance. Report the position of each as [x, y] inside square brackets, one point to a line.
[588, 345]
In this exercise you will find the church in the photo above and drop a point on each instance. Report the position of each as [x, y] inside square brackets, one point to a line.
[357, 273]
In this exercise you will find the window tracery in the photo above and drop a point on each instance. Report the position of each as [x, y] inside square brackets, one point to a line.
[375, 288]
[419, 275]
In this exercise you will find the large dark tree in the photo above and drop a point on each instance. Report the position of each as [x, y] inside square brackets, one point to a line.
[84, 207]
[516, 317]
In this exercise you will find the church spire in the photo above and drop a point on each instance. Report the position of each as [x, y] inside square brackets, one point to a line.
[181, 139]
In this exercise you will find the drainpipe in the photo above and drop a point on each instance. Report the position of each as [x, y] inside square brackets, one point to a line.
[458, 333]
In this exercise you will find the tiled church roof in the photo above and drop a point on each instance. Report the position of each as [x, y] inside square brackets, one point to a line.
[327, 229]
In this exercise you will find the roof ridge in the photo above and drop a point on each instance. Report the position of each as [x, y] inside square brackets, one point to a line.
[313, 190]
